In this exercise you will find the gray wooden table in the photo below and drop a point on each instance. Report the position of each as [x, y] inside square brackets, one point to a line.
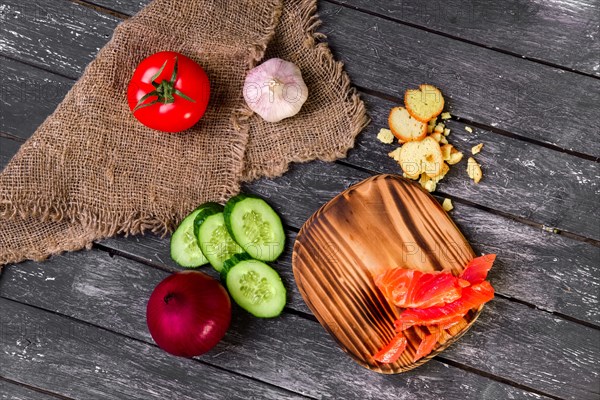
[524, 74]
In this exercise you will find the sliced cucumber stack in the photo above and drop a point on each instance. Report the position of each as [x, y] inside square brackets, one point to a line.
[255, 287]
[184, 246]
[235, 240]
[255, 226]
[212, 236]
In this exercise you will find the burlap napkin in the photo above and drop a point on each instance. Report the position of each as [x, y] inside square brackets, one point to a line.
[92, 171]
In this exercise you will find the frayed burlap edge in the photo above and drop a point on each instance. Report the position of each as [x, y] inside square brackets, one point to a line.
[97, 225]
[354, 107]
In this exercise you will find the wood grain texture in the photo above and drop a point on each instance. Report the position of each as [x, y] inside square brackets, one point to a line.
[12, 391]
[59, 35]
[561, 32]
[383, 222]
[501, 91]
[522, 179]
[77, 360]
[27, 96]
[292, 352]
[529, 258]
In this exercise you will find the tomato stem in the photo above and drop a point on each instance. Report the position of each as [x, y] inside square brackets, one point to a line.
[164, 91]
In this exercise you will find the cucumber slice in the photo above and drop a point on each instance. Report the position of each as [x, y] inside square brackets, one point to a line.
[257, 288]
[184, 247]
[255, 226]
[207, 209]
[231, 262]
[213, 238]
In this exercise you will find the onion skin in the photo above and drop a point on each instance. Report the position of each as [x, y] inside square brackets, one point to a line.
[188, 313]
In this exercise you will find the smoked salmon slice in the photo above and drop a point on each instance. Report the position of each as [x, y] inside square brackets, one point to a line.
[438, 300]
[477, 269]
[408, 288]
[472, 297]
[426, 345]
[392, 351]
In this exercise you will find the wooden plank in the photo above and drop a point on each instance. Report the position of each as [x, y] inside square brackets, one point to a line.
[12, 391]
[127, 7]
[288, 351]
[521, 179]
[528, 257]
[561, 32]
[74, 359]
[58, 35]
[8, 148]
[27, 96]
[501, 91]
[557, 31]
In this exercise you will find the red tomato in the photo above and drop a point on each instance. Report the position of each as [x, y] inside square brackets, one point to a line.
[168, 92]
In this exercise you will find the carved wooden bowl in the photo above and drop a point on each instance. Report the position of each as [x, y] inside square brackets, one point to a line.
[385, 221]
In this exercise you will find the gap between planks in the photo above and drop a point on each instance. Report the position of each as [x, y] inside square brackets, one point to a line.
[495, 378]
[300, 314]
[35, 389]
[458, 38]
[103, 329]
[121, 15]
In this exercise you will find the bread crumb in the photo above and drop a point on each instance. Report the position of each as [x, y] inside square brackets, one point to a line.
[437, 136]
[430, 128]
[474, 170]
[455, 157]
[446, 131]
[432, 122]
[446, 151]
[476, 149]
[427, 183]
[430, 183]
[469, 129]
[430, 186]
[385, 136]
[395, 154]
[446, 115]
[447, 205]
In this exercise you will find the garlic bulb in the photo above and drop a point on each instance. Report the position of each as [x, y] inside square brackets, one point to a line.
[275, 90]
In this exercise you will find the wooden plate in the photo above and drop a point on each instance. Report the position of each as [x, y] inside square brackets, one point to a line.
[382, 222]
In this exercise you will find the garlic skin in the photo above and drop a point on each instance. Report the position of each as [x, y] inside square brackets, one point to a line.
[275, 90]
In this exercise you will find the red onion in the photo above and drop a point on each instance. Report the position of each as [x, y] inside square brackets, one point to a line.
[188, 313]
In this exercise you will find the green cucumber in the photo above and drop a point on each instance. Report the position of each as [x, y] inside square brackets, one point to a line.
[213, 238]
[184, 246]
[231, 262]
[207, 210]
[257, 288]
[255, 226]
